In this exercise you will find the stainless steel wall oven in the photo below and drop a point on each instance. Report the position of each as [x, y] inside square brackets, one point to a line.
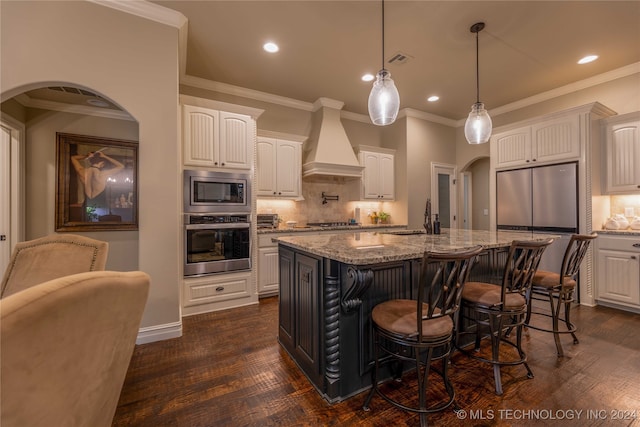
[216, 243]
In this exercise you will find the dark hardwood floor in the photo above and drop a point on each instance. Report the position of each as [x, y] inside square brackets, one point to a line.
[229, 370]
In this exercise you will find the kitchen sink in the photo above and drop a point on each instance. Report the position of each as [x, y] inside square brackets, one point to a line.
[404, 232]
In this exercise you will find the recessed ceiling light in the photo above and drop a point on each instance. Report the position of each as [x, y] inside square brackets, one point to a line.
[433, 98]
[587, 59]
[367, 78]
[271, 47]
[97, 102]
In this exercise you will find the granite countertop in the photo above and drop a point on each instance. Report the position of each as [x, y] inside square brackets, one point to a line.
[365, 248]
[626, 232]
[366, 227]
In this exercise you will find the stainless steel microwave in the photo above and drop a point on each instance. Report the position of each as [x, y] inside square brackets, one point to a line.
[216, 192]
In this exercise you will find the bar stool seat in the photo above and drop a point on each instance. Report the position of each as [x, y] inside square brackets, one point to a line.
[421, 330]
[559, 290]
[494, 310]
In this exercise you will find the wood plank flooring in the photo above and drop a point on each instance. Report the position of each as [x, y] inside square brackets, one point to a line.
[229, 370]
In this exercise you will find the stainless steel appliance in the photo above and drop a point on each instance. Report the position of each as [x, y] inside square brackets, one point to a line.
[267, 221]
[540, 199]
[216, 243]
[220, 192]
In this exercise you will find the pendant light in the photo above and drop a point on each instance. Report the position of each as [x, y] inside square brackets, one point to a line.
[477, 129]
[384, 100]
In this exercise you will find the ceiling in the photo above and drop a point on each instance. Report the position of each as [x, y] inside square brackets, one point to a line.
[526, 48]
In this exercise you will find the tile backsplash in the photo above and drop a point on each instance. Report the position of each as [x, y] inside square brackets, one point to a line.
[625, 205]
[311, 209]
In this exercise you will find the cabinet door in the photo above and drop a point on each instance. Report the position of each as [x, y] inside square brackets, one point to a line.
[555, 140]
[512, 148]
[266, 167]
[289, 168]
[623, 158]
[268, 280]
[370, 175]
[307, 314]
[235, 141]
[286, 307]
[619, 276]
[200, 136]
[387, 189]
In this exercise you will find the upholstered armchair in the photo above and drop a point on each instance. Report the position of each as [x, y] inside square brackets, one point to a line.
[66, 347]
[50, 257]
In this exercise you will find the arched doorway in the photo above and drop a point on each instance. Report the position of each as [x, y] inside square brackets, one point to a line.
[32, 116]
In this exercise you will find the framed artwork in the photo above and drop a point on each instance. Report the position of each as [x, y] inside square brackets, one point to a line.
[96, 183]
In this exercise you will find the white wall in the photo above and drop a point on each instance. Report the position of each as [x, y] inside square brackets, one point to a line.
[134, 62]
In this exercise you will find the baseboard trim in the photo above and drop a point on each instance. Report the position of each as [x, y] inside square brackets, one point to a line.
[159, 332]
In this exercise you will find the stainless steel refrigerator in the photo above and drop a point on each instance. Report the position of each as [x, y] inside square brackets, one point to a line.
[540, 199]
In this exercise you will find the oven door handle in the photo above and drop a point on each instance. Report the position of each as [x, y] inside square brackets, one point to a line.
[217, 226]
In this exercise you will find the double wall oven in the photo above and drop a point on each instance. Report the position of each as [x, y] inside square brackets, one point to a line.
[217, 222]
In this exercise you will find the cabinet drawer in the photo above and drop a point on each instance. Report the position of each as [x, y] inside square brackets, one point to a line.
[619, 243]
[204, 290]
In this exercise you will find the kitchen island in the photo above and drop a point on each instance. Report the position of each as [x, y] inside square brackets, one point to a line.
[329, 284]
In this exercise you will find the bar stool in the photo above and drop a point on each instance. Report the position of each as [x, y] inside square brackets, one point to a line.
[547, 285]
[421, 330]
[497, 309]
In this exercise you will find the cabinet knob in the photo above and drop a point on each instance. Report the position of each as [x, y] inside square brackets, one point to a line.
[274, 193]
[215, 163]
[222, 164]
[633, 257]
[534, 160]
[636, 245]
[638, 186]
[528, 161]
[220, 289]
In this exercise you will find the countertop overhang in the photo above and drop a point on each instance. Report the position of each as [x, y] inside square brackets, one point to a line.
[366, 248]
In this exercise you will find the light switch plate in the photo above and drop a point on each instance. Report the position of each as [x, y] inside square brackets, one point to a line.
[628, 211]
[486, 212]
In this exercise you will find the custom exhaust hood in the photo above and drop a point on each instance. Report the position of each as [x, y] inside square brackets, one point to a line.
[330, 153]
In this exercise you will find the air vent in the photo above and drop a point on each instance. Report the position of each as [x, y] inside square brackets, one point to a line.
[399, 58]
[73, 90]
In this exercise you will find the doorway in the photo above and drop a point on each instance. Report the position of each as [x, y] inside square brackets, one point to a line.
[11, 219]
[443, 192]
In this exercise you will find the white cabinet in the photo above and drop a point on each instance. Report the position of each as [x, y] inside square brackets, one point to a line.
[279, 167]
[378, 180]
[216, 292]
[618, 270]
[622, 154]
[217, 139]
[268, 276]
[549, 141]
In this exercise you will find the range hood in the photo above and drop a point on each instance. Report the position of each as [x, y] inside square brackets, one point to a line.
[330, 153]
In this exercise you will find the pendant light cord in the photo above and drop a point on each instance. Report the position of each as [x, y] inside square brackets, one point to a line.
[477, 70]
[382, 62]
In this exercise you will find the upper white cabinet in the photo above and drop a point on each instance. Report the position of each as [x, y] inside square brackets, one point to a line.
[279, 168]
[549, 141]
[216, 139]
[622, 154]
[378, 174]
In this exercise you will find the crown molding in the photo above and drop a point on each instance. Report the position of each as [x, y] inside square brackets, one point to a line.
[356, 117]
[147, 10]
[618, 73]
[410, 112]
[256, 95]
[42, 104]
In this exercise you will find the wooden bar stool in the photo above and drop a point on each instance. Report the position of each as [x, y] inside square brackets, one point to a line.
[497, 309]
[421, 330]
[559, 292]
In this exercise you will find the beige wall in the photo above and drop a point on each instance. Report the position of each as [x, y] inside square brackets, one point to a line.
[133, 62]
[480, 194]
[40, 165]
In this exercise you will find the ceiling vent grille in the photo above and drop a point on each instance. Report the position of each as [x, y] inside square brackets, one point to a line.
[73, 90]
[399, 58]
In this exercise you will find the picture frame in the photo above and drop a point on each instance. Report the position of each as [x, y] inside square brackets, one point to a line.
[96, 183]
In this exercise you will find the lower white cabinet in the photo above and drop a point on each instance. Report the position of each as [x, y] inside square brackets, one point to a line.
[618, 270]
[216, 292]
[268, 276]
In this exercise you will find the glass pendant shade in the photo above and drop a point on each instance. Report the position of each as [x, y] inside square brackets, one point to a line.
[384, 100]
[477, 129]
